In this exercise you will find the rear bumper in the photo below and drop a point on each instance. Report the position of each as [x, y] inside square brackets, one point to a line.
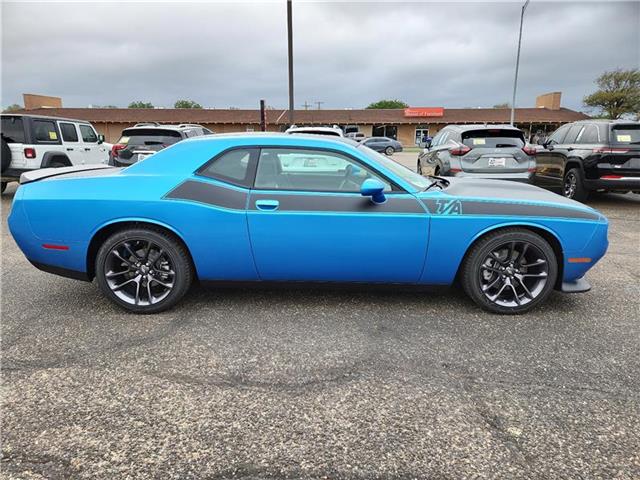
[524, 177]
[579, 285]
[621, 184]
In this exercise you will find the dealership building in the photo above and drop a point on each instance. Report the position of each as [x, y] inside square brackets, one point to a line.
[407, 125]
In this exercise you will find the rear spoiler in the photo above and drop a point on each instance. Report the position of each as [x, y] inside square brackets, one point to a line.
[41, 174]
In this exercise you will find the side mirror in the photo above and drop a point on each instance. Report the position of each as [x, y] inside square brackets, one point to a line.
[100, 139]
[373, 188]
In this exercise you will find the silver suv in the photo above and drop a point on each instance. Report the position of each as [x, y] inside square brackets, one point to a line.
[481, 151]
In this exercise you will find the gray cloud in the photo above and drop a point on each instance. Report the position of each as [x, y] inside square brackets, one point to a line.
[346, 54]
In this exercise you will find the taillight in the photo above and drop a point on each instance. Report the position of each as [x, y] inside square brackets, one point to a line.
[461, 150]
[30, 152]
[116, 148]
[610, 150]
[529, 150]
[455, 170]
[611, 177]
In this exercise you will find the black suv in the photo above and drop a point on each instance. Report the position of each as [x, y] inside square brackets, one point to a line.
[590, 155]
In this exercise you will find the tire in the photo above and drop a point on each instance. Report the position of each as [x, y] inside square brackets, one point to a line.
[142, 287]
[389, 151]
[419, 169]
[5, 156]
[3, 187]
[504, 286]
[57, 164]
[573, 185]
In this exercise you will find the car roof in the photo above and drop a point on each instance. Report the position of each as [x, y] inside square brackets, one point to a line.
[255, 138]
[177, 127]
[483, 126]
[44, 117]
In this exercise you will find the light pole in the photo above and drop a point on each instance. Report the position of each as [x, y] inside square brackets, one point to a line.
[515, 80]
[290, 54]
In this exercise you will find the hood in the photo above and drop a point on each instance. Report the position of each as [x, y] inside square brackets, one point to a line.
[479, 194]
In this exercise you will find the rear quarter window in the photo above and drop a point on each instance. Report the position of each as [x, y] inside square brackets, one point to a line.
[493, 138]
[12, 130]
[44, 131]
[625, 134]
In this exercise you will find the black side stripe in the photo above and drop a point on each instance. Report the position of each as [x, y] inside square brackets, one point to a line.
[209, 194]
[470, 207]
[339, 203]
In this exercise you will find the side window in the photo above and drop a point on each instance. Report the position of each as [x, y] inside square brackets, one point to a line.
[234, 166]
[311, 170]
[558, 136]
[69, 132]
[589, 135]
[444, 138]
[88, 134]
[573, 134]
[45, 131]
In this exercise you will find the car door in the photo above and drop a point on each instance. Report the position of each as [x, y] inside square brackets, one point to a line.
[71, 140]
[309, 222]
[94, 151]
[548, 157]
[564, 151]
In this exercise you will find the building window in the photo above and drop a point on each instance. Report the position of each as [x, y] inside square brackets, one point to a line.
[389, 131]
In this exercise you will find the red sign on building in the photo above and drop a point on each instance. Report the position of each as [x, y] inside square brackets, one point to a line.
[424, 112]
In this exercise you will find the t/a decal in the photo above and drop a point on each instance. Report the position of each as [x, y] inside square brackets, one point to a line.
[448, 207]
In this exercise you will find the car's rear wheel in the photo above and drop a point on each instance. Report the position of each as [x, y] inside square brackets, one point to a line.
[573, 185]
[389, 150]
[143, 270]
[419, 169]
[510, 271]
[5, 155]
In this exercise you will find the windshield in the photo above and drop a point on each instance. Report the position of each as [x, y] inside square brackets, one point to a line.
[626, 134]
[139, 136]
[493, 138]
[417, 181]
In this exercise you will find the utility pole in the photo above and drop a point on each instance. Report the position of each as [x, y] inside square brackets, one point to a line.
[515, 80]
[290, 53]
[306, 105]
[319, 105]
[263, 116]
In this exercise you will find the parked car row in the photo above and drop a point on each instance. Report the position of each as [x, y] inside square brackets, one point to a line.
[577, 159]
[31, 142]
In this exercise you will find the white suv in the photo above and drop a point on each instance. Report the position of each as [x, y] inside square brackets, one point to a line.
[30, 142]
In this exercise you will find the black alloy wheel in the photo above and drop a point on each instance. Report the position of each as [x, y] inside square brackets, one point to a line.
[144, 271]
[510, 271]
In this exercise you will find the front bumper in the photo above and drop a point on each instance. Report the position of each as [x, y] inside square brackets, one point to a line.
[579, 285]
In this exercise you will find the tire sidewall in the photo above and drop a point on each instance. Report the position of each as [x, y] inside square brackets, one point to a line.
[580, 194]
[481, 250]
[389, 150]
[175, 252]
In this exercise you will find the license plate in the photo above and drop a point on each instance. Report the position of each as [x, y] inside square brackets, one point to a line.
[496, 162]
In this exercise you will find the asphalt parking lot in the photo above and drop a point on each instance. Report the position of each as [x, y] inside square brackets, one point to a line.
[316, 383]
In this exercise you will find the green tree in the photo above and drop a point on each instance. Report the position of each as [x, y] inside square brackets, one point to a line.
[618, 94]
[187, 104]
[140, 104]
[388, 104]
[13, 108]
[502, 105]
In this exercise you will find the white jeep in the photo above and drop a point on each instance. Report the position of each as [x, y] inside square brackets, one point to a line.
[30, 142]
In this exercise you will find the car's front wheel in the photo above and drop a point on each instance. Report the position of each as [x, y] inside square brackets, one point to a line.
[144, 270]
[389, 150]
[510, 271]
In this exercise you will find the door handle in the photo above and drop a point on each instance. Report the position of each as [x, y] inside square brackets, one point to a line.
[87, 149]
[267, 205]
[69, 149]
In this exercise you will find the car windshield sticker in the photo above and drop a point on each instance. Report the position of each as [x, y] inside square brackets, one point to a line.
[53, 136]
[479, 141]
[623, 138]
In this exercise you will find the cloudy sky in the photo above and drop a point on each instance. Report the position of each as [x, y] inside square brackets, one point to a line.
[346, 54]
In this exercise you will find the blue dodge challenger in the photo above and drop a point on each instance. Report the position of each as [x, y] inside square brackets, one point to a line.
[274, 208]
